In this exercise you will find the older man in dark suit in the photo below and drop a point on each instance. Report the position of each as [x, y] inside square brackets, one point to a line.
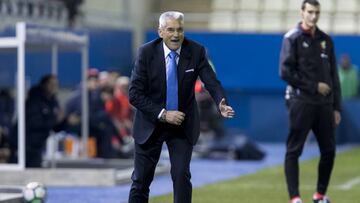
[162, 91]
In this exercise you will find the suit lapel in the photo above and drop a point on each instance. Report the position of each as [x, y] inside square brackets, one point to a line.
[160, 67]
[160, 60]
[184, 61]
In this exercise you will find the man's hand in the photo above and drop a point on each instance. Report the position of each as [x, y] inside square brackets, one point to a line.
[337, 117]
[73, 119]
[323, 88]
[60, 115]
[226, 111]
[174, 117]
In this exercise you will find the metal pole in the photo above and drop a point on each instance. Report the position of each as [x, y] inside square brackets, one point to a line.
[84, 99]
[54, 71]
[21, 36]
[54, 59]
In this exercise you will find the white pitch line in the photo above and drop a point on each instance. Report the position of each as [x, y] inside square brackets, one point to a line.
[351, 183]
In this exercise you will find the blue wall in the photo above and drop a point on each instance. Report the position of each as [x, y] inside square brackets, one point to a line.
[246, 63]
[111, 49]
[249, 61]
[263, 117]
[242, 61]
[247, 66]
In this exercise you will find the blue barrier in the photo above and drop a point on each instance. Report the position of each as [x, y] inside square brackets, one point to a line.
[252, 82]
[264, 117]
[256, 56]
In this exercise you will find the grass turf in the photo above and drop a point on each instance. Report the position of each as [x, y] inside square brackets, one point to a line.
[268, 185]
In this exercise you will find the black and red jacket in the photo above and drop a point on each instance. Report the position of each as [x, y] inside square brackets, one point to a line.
[306, 60]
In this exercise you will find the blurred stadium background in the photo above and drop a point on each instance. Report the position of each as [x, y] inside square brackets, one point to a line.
[248, 30]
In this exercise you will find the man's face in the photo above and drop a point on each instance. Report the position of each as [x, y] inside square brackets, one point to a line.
[52, 86]
[310, 15]
[92, 83]
[345, 61]
[172, 34]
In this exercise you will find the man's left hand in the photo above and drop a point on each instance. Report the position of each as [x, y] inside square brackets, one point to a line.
[337, 116]
[226, 111]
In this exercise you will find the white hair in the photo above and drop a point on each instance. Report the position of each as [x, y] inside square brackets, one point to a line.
[103, 75]
[176, 15]
[123, 80]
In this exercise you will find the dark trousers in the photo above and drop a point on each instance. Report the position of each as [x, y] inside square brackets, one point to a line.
[103, 132]
[35, 145]
[147, 156]
[33, 157]
[303, 118]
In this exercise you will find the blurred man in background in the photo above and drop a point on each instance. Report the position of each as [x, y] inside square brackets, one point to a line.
[121, 112]
[349, 78]
[43, 114]
[307, 64]
[7, 108]
[100, 123]
[72, 7]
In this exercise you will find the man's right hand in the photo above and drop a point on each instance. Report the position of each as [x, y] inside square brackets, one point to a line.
[323, 88]
[73, 119]
[174, 117]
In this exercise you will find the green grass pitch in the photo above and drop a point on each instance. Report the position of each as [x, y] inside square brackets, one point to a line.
[268, 185]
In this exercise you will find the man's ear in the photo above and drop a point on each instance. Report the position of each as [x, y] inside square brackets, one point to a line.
[160, 33]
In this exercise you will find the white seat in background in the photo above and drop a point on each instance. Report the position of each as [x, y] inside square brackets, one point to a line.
[325, 22]
[247, 21]
[347, 6]
[219, 5]
[345, 23]
[222, 21]
[249, 5]
[327, 5]
[292, 19]
[272, 22]
[274, 5]
[293, 5]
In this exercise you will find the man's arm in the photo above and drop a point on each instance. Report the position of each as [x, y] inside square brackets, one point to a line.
[138, 89]
[336, 86]
[288, 68]
[335, 80]
[213, 85]
[208, 77]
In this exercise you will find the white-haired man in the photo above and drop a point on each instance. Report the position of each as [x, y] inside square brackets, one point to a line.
[162, 91]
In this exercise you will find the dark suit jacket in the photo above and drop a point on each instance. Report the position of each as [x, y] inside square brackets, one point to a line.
[147, 89]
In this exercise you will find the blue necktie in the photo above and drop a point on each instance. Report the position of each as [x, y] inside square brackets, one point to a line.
[172, 83]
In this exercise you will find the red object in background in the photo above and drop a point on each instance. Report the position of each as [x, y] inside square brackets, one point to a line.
[119, 107]
[198, 86]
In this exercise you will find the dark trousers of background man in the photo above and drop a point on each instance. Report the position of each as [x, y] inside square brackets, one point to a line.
[303, 118]
[147, 156]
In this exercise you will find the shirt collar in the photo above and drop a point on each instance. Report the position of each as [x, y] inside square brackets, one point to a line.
[307, 32]
[167, 50]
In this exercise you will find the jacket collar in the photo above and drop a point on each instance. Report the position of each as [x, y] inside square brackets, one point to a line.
[317, 34]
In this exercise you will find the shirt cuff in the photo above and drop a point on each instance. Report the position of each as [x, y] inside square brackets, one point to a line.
[161, 113]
